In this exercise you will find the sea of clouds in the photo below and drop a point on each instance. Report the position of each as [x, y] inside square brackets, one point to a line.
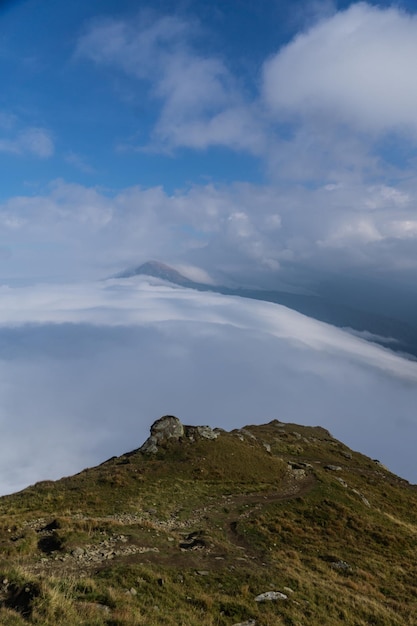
[86, 368]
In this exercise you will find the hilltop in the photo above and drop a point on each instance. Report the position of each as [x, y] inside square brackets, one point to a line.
[270, 524]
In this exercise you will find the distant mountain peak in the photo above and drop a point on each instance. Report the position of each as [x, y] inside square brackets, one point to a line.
[377, 327]
[158, 270]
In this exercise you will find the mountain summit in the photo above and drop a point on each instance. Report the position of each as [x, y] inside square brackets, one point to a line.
[158, 270]
[264, 525]
[387, 331]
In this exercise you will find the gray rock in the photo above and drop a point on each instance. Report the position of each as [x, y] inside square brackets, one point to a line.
[297, 470]
[362, 497]
[341, 565]
[333, 468]
[167, 427]
[170, 427]
[293, 465]
[246, 433]
[335, 562]
[381, 465]
[78, 553]
[206, 432]
[342, 482]
[269, 596]
[249, 622]
[347, 455]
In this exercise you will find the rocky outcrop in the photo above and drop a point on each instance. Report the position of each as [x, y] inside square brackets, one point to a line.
[170, 427]
[200, 432]
[167, 427]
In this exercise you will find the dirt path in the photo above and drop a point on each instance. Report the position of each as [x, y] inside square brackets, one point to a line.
[216, 524]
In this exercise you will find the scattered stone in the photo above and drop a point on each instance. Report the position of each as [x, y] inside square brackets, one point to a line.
[54, 525]
[78, 553]
[133, 591]
[342, 482]
[341, 565]
[362, 497]
[296, 470]
[249, 622]
[206, 432]
[336, 563]
[333, 468]
[202, 572]
[295, 465]
[267, 447]
[381, 465]
[103, 608]
[288, 590]
[271, 596]
[193, 541]
[245, 433]
[347, 455]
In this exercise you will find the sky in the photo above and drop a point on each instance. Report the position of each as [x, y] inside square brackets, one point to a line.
[269, 144]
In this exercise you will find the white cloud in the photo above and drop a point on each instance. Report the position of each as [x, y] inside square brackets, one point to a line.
[325, 99]
[85, 369]
[201, 102]
[7, 120]
[240, 229]
[36, 141]
[32, 141]
[79, 162]
[355, 67]
[197, 274]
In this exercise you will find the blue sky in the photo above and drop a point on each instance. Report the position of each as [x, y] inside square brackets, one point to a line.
[305, 111]
[270, 144]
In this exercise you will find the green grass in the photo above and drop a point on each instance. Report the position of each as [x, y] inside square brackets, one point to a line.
[103, 548]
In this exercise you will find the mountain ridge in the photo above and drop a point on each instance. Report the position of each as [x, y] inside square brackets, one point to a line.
[385, 330]
[267, 524]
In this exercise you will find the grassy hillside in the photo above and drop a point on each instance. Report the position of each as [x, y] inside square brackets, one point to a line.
[196, 532]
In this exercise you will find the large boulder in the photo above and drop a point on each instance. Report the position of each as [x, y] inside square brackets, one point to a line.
[167, 427]
[170, 427]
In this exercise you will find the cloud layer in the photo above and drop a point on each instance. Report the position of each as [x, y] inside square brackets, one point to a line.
[86, 369]
[240, 229]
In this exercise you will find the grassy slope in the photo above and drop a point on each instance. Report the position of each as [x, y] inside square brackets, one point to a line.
[194, 534]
